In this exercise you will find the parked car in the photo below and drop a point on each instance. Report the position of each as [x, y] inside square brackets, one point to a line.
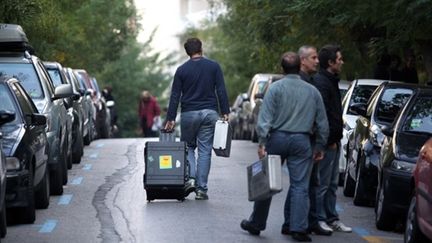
[5, 117]
[86, 102]
[260, 84]
[419, 220]
[103, 117]
[399, 153]
[58, 77]
[359, 91]
[25, 146]
[365, 141]
[30, 71]
[236, 116]
[343, 87]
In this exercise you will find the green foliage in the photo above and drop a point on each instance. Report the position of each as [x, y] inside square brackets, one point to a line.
[250, 37]
[96, 35]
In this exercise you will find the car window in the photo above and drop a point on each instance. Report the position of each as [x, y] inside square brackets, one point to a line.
[55, 77]
[27, 76]
[261, 85]
[361, 94]
[25, 104]
[392, 100]
[6, 100]
[419, 118]
[45, 77]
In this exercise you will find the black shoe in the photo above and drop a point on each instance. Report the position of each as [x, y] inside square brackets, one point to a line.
[246, 225]
[285, 230]
[319, 231]
[299, 236]
[189, 187]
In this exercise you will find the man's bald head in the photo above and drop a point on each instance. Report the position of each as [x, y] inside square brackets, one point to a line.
[290, 63]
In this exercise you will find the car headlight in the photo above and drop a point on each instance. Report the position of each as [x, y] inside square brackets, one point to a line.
[402, 166]
[12, 163]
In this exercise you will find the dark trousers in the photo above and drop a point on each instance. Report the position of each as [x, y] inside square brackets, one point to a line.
[296, 149]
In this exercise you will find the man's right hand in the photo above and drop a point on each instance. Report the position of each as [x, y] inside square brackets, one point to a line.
[169, 126]
[317, 156]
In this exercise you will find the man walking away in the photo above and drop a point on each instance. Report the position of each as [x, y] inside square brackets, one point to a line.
[198, 85]
[326, 80]
[288, 134]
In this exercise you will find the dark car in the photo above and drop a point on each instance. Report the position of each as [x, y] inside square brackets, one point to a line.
[33, 76]
[25, 145]
[236, 116]
[419, 220]
[5, 117]
[399, 153]
[86, 104]
[58, 77]
[365, 141]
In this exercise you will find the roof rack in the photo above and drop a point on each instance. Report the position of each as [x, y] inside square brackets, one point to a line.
[13, 39]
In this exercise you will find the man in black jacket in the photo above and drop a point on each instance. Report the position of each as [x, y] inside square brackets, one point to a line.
[327, 82]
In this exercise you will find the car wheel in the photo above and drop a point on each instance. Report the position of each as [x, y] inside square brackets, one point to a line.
[384, 220]
[78, 150]
[56, 180]
[349, 184]
[360, 194]
[87, 138]
[43, 194]
[28, 214]
[413, 233]
[64, 165]
[3, 224]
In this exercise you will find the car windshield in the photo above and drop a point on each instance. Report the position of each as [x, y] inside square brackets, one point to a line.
[361, 94]
[419, 118]
[391, 102]
[27, 76]
[55, 77]
[261, 86]
[6, 100]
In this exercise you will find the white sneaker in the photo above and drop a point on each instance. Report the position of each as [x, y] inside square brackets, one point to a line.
[341, 227]
[324, 226]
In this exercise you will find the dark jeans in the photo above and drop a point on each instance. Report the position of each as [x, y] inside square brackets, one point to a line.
[147, 131]
[296, 148]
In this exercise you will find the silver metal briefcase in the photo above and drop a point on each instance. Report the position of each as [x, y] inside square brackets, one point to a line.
[264, 178]
[222, 139]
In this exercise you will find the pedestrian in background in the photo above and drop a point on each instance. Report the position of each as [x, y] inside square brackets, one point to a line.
[288, 134]
[200, 88]
[327, 81]
[148, 111]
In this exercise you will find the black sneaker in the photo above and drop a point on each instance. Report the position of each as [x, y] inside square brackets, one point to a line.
[300, 236]
[189, 187]
[201, 195]
[246, 225]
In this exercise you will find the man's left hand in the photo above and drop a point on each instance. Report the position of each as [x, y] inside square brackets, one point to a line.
[225, 117]
[261, 151]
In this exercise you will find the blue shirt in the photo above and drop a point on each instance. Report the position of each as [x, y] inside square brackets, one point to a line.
[198, 84]
[293, 105]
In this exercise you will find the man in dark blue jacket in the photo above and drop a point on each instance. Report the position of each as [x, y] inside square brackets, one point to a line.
[327, 82]
[200, 88]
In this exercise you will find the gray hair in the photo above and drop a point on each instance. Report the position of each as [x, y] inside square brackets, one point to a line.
[303, 51]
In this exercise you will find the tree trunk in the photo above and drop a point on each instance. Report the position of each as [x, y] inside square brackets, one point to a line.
[426, 51]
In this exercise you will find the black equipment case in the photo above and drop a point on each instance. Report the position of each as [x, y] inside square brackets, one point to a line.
[165, 169]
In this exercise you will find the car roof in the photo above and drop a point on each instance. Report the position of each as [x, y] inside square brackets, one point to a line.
[344, 84]
[52, 65]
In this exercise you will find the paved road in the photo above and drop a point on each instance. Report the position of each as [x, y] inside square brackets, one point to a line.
[104, 201]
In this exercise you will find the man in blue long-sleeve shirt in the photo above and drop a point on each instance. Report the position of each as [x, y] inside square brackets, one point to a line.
[199, 87]
[291, 108]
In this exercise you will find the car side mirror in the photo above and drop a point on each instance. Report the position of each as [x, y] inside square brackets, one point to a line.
[38, 119]
[6, 116]
[387, 130]
[63, 91]
[358, 108]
